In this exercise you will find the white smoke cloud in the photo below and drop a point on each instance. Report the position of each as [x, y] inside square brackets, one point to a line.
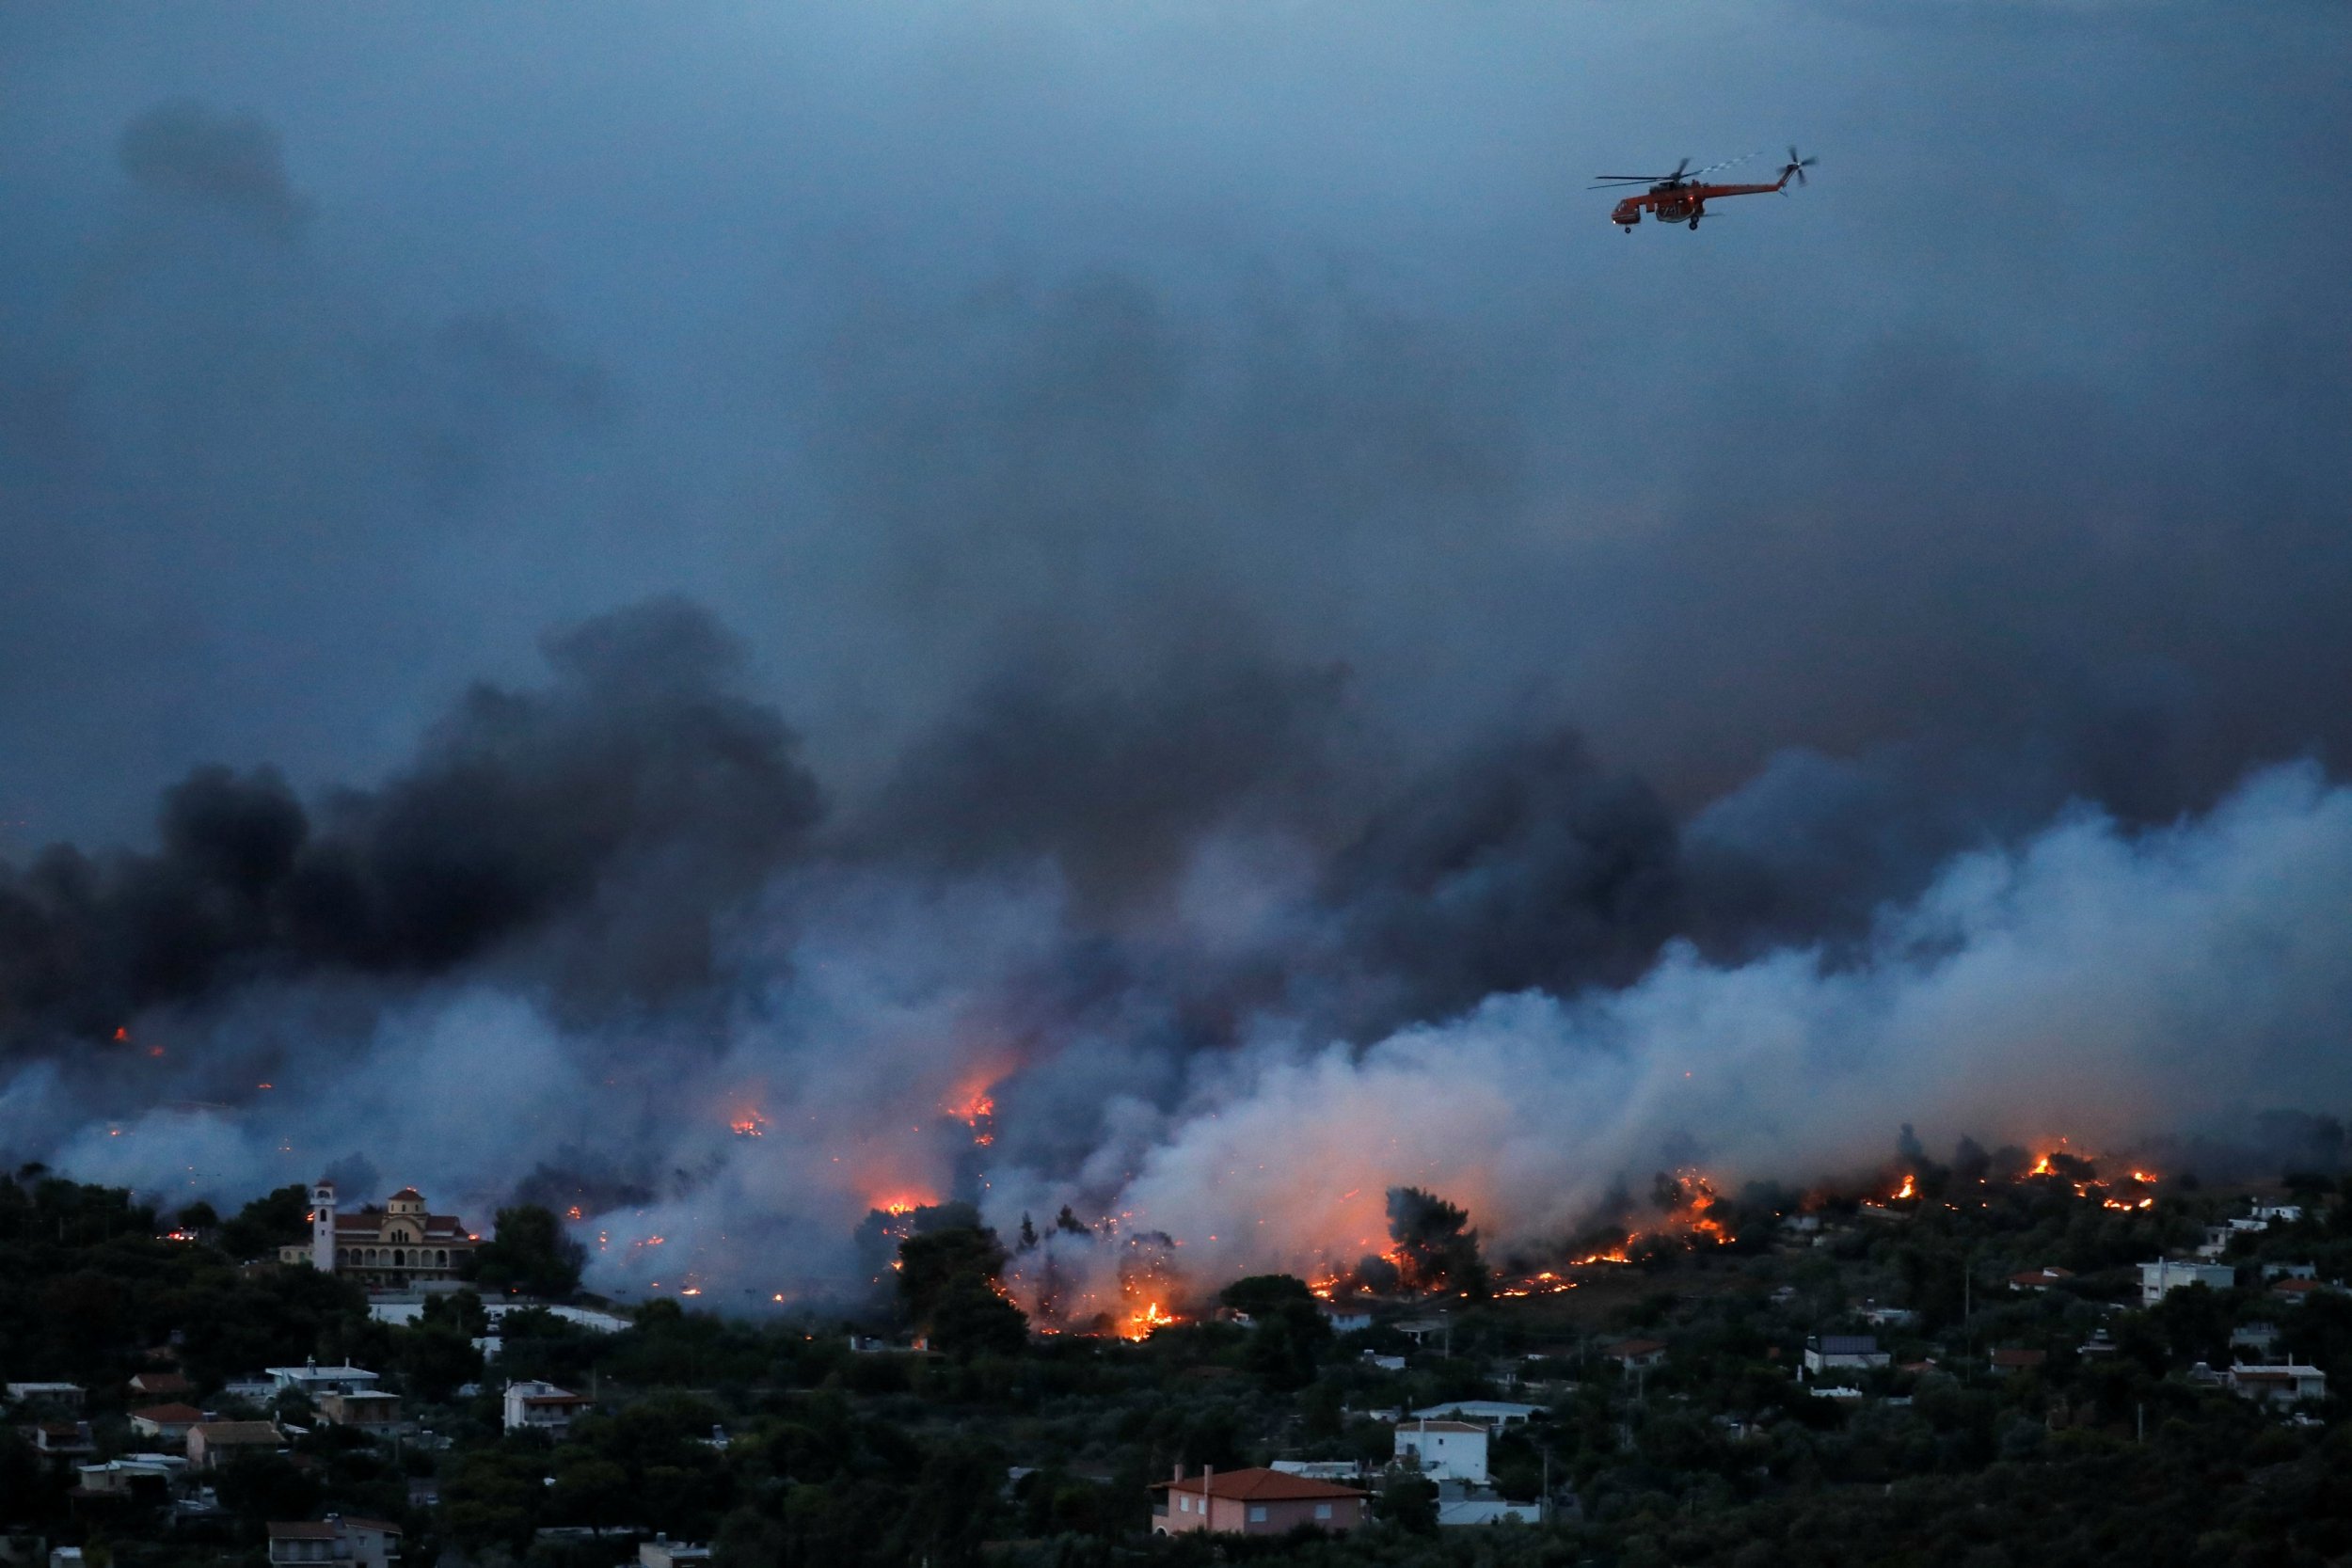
[2088, 983]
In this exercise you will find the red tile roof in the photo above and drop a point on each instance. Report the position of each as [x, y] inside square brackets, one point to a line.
[1258, 1486]
[217, 1432]
[181, 1415]
[1625, 1348]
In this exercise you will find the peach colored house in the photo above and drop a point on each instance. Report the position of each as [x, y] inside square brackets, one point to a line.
[1252, 1502]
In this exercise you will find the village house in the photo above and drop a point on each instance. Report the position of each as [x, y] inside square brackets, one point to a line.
[2006, 1361]
[1444, 1450]
[2040, 1279]
[367, 1410]
[1346, 1320]
[1314, 1469]
[1461, 1504]
[663, 1552]
[2295, 1289]
[134, 1475]
[1635, 1354]
[362, 1543]
[1495, 1413]
[63, 1438]
[161, 1385]
[169, 1421]
[213, 1444]
[2259, 1336]
[541, 1407]
[55, 1396]
[397, 1248]
[2281, 1384]
[1839, 1353]
[316, 1381]
[1252, 1502]
[2167, 1274]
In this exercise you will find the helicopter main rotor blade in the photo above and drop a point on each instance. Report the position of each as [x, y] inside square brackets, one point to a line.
[1725, 164]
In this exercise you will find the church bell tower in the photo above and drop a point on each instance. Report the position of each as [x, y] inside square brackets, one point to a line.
[323, 1226]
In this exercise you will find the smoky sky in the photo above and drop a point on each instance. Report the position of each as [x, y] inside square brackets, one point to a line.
[339, 359]
[1090, 531]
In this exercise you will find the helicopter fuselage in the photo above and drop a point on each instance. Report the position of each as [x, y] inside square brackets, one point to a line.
[1681, 201]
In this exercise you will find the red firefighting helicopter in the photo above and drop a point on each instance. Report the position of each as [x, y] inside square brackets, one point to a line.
[1681, 197]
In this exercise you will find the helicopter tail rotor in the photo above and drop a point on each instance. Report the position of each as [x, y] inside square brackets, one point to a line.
[1796, 167]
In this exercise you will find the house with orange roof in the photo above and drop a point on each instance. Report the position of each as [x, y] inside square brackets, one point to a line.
[166, 1420]
[1252, 1502]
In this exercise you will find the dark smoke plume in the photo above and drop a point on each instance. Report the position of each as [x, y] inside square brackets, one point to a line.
[635, 800]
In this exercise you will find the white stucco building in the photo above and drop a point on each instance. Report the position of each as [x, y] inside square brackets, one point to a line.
[1444, 1450]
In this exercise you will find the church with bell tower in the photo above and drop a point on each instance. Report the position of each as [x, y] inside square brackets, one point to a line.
[400, 1245]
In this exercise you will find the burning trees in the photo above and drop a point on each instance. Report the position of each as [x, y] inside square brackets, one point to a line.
[1436, 1249]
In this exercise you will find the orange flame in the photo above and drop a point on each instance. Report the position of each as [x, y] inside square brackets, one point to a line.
[1908, 1189]
[1145, 1320]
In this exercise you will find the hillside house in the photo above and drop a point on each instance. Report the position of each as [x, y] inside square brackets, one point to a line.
[1252, 1502]
[213, 1444]
[314, 1380]
[1444, 1450]
[2295, 1289]
[1346, 1320]
[663, 1552]
[362, 1543]
[2260, 1338]
[1842, 1353]
[540, 1407]
[2167, 1274]
[2038, 1280]
[2284, 1384]
[167, 1421]
[1635, 1354]
[63, 1438]
[155, 1387]
[147, 1476]
[1494, 1413]
[2006, 1361]
[1460, 1504]
[370, 1411]
[50, 1396]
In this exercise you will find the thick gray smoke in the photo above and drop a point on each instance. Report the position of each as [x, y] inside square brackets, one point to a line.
[1269, 635]
[724, 1033]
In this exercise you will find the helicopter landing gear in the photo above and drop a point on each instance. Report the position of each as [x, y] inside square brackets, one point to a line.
[1694, 222]
[1628, 229]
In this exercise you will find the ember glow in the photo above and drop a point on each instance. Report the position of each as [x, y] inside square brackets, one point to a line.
[976, 1110]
